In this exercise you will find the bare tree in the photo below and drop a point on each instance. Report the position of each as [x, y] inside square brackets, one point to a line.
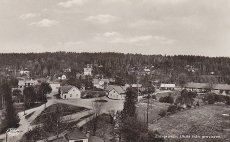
[54, 121]
[96, 110]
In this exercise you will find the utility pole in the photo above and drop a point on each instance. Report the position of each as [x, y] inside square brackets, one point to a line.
[148, 111]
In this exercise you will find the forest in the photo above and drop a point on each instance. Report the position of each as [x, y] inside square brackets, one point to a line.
[123, 67]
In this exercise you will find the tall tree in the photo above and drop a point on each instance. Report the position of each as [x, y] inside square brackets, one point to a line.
[130, 102]
[11, 119]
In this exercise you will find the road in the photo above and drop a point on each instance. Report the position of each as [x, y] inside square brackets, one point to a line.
[24, 123]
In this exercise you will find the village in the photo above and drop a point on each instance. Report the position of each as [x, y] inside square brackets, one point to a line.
[80, 106]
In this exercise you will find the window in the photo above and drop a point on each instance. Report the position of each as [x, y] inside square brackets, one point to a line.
[73, 90]
[113, 91]
[70, 95]
[79, 141]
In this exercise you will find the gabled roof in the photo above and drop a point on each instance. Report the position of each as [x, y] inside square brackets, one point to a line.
[119, 89]
[76, 135]
[206, 86]
[197, 85]
[95, 139]
[66, 88]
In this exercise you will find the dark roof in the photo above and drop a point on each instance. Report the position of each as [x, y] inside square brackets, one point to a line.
[206, 86]
[66, 88]
[119, 89]
[60, 140]
[75, 135]
[95, 139]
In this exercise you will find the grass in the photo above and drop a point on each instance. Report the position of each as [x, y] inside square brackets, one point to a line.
[203, 121]
[20, 106]
[68, 109]
[154, 110]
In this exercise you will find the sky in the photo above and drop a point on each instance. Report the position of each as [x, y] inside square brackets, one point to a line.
[171, 27]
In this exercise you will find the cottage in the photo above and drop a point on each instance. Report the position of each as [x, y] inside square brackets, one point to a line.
[147, 71]
[25, 83]
[55, 86]
[100, 83]
[88, 71]
[63, 77]
[69, 92]
[167, 86]
[116, 92]
[204, 87]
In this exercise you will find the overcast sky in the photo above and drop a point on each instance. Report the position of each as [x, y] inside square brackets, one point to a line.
[172, 27]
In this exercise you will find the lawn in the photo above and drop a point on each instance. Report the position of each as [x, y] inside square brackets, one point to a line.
[154, 109]
[204, 121]
[69, 109]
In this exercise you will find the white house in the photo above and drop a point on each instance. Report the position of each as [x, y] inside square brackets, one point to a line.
[88, 71]
[70, 92]
[55, 86]
[63, 77]
[116, 92]
[25, 83]
[100, 83]
[167, 86]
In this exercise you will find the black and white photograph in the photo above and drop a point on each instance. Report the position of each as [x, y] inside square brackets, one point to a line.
[114, 70]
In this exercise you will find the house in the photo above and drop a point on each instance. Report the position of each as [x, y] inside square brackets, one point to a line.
[79, 136]
[167, 86]
[63, 77]
[67, 70]
[100, 83]
[116, 92]
[55, 86]
[88, 71]
[69, 92]
[25, 83]
[204, 87]
[147, 71]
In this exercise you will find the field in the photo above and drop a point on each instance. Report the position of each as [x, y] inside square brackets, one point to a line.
[204, 121]
[154, 109]
[69, 109]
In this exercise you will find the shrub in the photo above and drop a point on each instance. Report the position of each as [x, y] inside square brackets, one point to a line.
[172, 109]
[210, 98]
[154, 97]
[167, 99]
[227, 99]
[162, 113]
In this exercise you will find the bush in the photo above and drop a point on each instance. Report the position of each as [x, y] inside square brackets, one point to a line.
[167, 99]
[162, 113]
[154, 97]
[172, 109]
[93, 94]
[227, 99]
[210, 98]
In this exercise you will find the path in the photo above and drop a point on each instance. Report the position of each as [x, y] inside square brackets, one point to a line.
[25, 123]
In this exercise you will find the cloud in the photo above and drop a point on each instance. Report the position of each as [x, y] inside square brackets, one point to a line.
[102, 19]
[110, 34]
[71, 2]
[143, 22]
[71, 43]
[142, 40]
[29, 15]
[44, 23]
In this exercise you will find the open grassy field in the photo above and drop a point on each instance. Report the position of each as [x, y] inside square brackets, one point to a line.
[154, 109]
[203, 121]
[68, 109]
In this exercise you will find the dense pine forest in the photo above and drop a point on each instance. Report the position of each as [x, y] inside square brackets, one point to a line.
[126, 67]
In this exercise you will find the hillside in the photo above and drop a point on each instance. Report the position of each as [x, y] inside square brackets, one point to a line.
[167, 69]
[204, 121]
